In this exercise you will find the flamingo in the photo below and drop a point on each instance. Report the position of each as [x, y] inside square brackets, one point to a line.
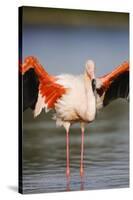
[73, 98]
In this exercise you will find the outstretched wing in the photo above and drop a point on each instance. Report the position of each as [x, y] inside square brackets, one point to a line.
[115, 84]
[40, 89]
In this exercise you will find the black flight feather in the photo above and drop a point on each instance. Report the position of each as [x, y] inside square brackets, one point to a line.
[119, 88]
[30, 84]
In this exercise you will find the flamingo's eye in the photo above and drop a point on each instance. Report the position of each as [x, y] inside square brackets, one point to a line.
[93, 82]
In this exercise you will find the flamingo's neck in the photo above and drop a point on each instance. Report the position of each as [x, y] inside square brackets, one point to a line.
[87, 83]
[90, 99]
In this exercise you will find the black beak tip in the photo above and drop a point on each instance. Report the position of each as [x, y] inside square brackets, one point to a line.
[93, 84]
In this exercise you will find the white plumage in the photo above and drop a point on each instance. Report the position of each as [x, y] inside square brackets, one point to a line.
[78, 104]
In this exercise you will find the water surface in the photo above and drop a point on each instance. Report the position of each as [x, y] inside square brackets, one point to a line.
[106, 159]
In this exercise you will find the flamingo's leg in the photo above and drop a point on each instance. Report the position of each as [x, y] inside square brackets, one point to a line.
[67, 155]
[67, 125]
[82, 150]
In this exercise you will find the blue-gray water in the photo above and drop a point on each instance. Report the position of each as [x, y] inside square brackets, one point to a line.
[106, 159]
[65, 49]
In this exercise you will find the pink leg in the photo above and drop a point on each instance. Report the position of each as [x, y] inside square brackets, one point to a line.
[67, 154]
[82, 152]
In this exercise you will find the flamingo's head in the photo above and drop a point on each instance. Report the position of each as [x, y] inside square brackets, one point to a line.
[90, 69]
[90, 73]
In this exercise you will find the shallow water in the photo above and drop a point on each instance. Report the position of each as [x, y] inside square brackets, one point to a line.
[106, 158]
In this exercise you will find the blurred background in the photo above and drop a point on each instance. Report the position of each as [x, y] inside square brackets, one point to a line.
[63, 40]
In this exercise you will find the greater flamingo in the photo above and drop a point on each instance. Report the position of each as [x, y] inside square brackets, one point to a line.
[73, 98]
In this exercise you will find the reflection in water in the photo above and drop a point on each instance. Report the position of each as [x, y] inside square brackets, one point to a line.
[106, 157]
[82, 183]
[68, 183]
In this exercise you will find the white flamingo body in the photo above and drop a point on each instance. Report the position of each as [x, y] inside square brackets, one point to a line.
[78, 104]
